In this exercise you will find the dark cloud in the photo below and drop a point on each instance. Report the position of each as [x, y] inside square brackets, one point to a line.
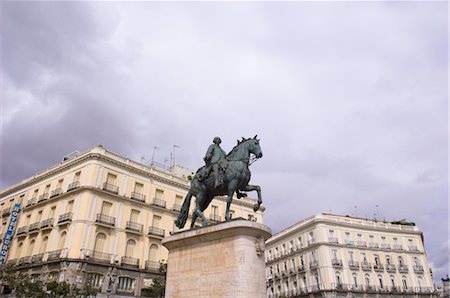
[349, 99]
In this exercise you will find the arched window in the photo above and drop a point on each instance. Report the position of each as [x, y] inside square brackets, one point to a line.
[130, 248]
[338, 278]
[420, 282]
[100, 242]
[44, 244]
[31, 247]
[62, 240]
[19, 249]
[392, 281]
[153, 253]
[367, 280]
[380, 281]
[355, 279]
[404, 282]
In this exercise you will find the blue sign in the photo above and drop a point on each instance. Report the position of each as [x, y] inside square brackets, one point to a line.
[9, 233]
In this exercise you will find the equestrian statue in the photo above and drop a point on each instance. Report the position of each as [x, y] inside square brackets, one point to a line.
[230, 174]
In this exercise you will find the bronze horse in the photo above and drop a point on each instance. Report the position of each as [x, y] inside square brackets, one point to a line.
[236, 178]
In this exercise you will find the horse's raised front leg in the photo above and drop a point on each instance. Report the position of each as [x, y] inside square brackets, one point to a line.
[232, 186]
[258, 190]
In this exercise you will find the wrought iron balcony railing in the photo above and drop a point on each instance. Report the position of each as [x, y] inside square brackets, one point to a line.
[402, 268]
[22, 231]
[154, 231]
[378, 267]
[361, 243]
[366, 266]
[333, 240]
[73, 185]
[353, 264]
[137, 196]
[390, 268]
[336, 262]
[110, 187]
[385, 246]
[56, 192]
[176, 207]
[373, 245]
[152, 265]
[97, 256]
[159, 203]
[134, 226]
[30, 202]
[37, 258]
[313, 264]
[34, 227]
[413, 248]
[43, 197]
[54, 255]
[105, 219]
[418, 268]
[65, 218]
[48, 223]
[130, 261]
[397, 247]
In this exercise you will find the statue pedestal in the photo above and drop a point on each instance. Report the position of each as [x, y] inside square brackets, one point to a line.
[222, 260]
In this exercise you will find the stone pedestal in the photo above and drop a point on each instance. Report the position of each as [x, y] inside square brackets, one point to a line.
[222, 260]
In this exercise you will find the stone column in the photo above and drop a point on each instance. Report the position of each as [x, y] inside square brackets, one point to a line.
[222, 260]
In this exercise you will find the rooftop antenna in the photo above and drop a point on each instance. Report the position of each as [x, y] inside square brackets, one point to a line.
[153, 154]
[356, 211]
[378, 212]
[173, 155]
[142, 159]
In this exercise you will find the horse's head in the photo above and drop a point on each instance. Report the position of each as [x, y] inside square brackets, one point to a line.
[253, 146]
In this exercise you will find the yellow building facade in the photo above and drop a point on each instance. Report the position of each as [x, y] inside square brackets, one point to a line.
[340, 256]
[99, 218]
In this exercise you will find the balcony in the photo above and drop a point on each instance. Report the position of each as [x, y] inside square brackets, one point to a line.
[413, 248]
[418, 268]
[22, 231]
[397, 247]
[24, 261]
[313, 265]
[366, 266]
[349, 242]
[6, 212]
[385, 246]
[73, 185]
[340, 287]
[137, 196]
[333, 240]
[54, 255]
[134, 227]
[110, 188]
[37, 258]
[65, 218]
[402, 269]
[56, 192]
[34, 228]
[154, 231]
[47, 224]
[30, 202]
[159, 203]
[99, 257]
[336, 263]
[353, 265]
[105, 220]
[152, 266]
[176, 207]
[390, 268]
[311, 241]
[215, 217]
[43, 197]
[373, 245]
[361, 243]
[130, 261]
[378, 267]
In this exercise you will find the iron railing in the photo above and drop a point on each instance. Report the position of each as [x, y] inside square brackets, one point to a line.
[134, 226]
[66, 217]
[48, 223]
[176, 207]
[215, 217]
[154, 231]
[54, 255]
[43, 197]
[105, 219]
[73, 185]
[110, 187]
[336, 262]
[158, 202]
[130, 261]
[137, 196]
[56, 192]
[152, 265]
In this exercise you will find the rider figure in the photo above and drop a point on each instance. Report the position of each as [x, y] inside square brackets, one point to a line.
[213, 157]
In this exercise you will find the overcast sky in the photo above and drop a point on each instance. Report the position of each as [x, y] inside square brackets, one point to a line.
[349, 98]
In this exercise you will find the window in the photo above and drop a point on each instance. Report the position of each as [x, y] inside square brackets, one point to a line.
[52, 212]
[62, 240]
[31, 247]
[376, 260]
[39, 216]
[130, 248]
[35, 193]
[100, 242]
[350, 256]
[126, 283]
[156, 221]
[47, 189]
[159, 195]
[106, 208]
[76, 177]
[69, 207]
[134, 216]
[95, 280]
[404, 282]
[44, 244]
[153, 253]
[392, 281]
[355, 280]
[111, 179]
[380, 281]
[367, 280]
[59, 185]
[334, 254]
[400, 261]
[139, 188]
[338, 278]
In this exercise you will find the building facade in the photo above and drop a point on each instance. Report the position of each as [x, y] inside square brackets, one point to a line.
[99, 218]
[340, 256]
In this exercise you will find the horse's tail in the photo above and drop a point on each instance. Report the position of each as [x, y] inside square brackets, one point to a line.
[182, 218]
